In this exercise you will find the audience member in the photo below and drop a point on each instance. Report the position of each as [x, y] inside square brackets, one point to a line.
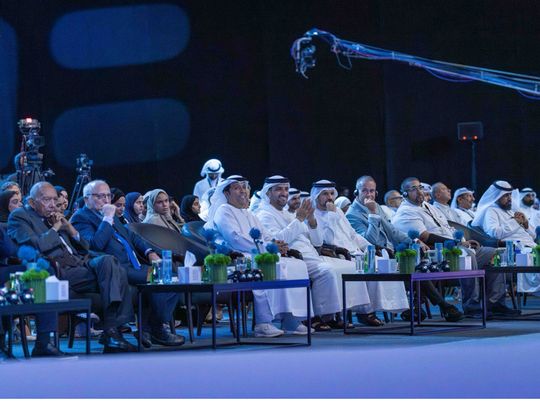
[118, 199]
[158, 210]
[462, 203]
[9, 201]
[190, 208]
[392, 201]
[134, 207]
[212, 171]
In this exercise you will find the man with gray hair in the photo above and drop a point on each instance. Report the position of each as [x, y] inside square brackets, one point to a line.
[98, 224]
[392, 201]
[40, 225]
[441, 197]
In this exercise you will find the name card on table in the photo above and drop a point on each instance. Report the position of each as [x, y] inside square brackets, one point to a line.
[189, 275]
[56, 290]
[465, 263]
[524, 259]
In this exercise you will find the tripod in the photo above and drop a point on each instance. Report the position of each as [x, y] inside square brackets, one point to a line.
[83, 178]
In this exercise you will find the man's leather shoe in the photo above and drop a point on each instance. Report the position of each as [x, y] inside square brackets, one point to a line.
[48, 350]
[501, 309]
[146, 342]
[478, 315]
[113, 342]
[161, 336]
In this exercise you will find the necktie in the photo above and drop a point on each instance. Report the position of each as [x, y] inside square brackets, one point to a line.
[131, 254]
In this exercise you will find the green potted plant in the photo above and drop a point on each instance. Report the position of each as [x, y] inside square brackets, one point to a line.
[406, 259]
[266, 262]
[536, 255]
[36, 272]
[451, 254]
[216, 267]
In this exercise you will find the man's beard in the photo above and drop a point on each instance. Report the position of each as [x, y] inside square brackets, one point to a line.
[528, 203]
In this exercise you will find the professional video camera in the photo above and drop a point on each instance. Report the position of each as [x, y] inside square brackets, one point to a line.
[28, 162]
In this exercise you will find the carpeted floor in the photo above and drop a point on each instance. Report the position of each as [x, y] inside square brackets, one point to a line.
[499, 361]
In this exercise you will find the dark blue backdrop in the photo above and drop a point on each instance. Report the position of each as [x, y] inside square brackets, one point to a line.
[152, 89]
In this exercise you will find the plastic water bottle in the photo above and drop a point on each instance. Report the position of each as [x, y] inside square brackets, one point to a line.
[518, 247]
[416, 247]
[371, 259]
[510, 258]
[166, 267]
[439, 250]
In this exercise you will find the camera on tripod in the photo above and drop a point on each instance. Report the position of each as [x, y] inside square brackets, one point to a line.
[84, 165]
[28, 162]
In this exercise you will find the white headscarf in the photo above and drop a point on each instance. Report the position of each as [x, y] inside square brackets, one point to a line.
[524, 192]
[491, 196]
[303, 195]
[292, 192]
[212, 166]
[219, 198]
[270, 182]
[457, 193]
[318, 187]
[342, 202]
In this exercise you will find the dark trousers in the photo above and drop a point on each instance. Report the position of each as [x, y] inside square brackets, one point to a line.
[107, 277]
[157, 308]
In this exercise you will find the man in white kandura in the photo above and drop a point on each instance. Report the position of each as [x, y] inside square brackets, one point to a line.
[301, 232]
[212, 171]
[462, 203]
[527, 197]
[498, 220]
[230, 218]
[383, 296]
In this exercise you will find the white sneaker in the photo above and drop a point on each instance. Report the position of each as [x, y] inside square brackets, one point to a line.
[267, 330]
[300, 330]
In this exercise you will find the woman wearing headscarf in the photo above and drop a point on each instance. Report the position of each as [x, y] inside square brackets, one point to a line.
[134, 207]
[118, 199]
[9, 201]
[158, 210]
[190, 208]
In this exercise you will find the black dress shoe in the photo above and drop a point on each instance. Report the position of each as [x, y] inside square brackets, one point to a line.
[48, 350]
[501, 309]
[114, 342]
[161, 336]
[146, 342]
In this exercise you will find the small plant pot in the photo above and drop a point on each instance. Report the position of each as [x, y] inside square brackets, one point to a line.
[268, 271]
[39, 290]
[407, 264]
[216, 273]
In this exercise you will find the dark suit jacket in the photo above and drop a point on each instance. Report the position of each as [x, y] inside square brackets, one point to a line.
[100, 235]
[26, 227]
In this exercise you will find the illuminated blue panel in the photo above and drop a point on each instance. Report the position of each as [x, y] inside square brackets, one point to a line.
[8, 92]
[122, 133]
[119, 36]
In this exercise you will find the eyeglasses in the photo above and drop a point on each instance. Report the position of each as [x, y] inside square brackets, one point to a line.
[102, 196]
[396, 198]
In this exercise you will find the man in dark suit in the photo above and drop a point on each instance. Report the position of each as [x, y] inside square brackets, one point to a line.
[45, 323]
[38, 224]
[98, 224]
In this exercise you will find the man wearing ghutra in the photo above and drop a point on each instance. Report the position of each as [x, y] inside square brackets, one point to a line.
[497, 218]
[527, 198]
[336, 229]
[301, 232]
[462, 204]
[212, 171]
[230, 218]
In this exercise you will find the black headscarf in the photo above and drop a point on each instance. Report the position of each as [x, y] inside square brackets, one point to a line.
[185, 209]
[5, 196]
[129, 213]
[116, 194]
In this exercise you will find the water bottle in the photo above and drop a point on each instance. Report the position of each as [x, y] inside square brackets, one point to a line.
[510, 258]
[416, 247]
[17, 283]
[371, 259]
[518, 247]
[166, 267]
[439, 250]
[359, 259]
